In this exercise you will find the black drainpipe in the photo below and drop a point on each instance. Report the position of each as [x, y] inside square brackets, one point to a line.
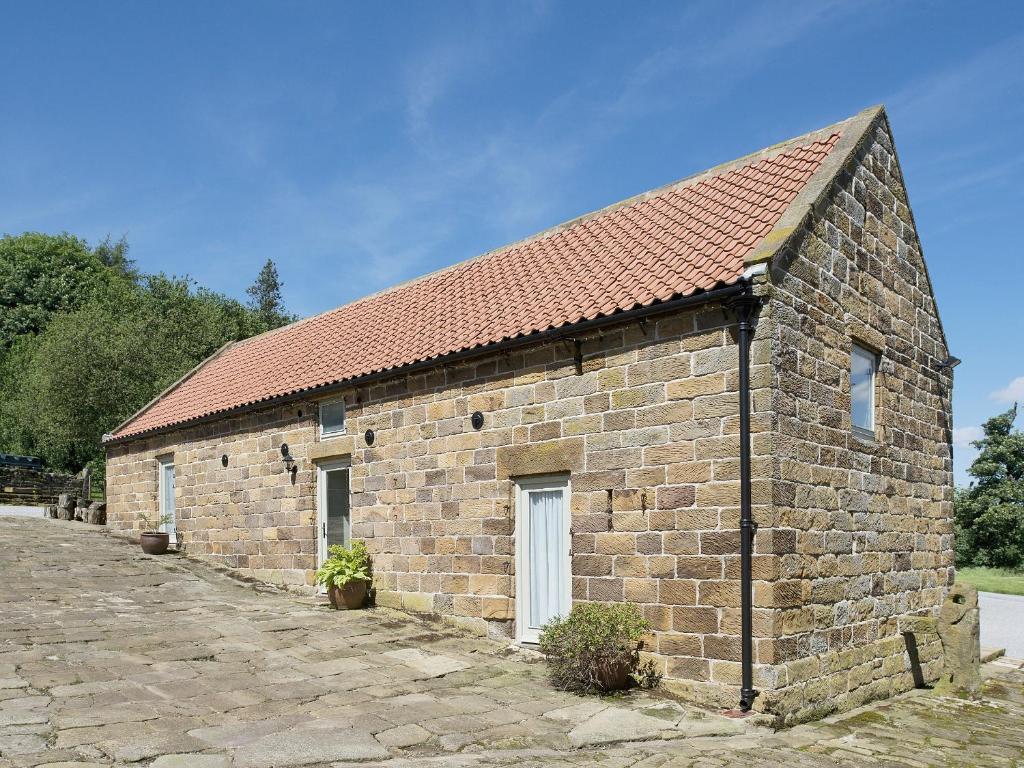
[745, 306]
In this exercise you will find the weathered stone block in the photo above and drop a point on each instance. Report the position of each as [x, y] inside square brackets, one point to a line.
[958, 629]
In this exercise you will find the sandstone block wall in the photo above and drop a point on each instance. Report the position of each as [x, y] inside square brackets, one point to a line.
[644, 419]
[248, 515]
[864, 526]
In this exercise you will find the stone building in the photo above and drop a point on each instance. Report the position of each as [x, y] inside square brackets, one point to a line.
[560, 420]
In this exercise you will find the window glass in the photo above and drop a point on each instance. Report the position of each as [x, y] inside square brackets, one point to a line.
[332, 417]
[862, 389]
[338, 528]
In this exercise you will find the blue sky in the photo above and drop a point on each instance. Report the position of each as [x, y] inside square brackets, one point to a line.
[360, 145]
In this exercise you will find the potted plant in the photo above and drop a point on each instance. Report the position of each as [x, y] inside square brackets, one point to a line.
[346, 575]
[596, 648]
[153, 540]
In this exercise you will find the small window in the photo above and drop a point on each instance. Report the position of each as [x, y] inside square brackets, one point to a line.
[332, 418]
[863, 365]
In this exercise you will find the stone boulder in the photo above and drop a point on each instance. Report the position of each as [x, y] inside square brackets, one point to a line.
[97, 513]
[66, 503]
[958, 628]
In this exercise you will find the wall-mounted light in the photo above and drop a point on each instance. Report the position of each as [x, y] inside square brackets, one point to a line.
[369, 436]
[477, 420]
[224, 460]
[289, 461]
[950, 362]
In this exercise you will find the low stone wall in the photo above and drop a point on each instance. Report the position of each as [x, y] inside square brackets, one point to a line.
[35, 487]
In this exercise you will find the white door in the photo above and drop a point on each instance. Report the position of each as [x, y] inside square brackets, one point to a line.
[167, 500]
[334, 525]
[543, 575]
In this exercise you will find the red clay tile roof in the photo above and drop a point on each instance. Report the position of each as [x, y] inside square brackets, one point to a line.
[679, 240]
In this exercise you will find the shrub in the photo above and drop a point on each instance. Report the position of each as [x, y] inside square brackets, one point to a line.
[596, 648]
[344, 565]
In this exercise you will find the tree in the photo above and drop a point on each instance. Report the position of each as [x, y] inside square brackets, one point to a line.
[15, 437]
[86, 340]
[115, 256]
[265, 298]
[94, 367]
[41, 275]
[990, 513]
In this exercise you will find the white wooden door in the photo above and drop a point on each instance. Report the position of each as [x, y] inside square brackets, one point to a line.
[167, 500]
[334, 524]
[543, 569]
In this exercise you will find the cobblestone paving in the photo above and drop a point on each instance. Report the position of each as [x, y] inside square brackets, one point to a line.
[109, 657]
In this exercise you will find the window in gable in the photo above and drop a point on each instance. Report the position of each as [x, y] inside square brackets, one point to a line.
[863, 367]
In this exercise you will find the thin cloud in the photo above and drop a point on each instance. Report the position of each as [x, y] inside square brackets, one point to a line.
[1003, 170]
[960, 90]
[1011, 393]
[394, 220]
[964, 436]
[768, 27]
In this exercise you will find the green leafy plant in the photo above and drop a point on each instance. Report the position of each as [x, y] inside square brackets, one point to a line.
[989, 514]
[86, 339]
[344, 565]
[596, 648]
[151, 524]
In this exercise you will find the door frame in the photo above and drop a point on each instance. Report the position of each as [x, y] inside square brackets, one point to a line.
[167, 463]
[523, 487]
[322, 468]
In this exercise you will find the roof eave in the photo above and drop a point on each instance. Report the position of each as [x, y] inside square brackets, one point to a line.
[718, 293]
[166, 391]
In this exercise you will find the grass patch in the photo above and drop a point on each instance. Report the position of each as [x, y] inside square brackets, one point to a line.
[999, 580]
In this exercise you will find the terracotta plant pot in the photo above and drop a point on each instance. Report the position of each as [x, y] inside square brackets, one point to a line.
[614, 675]
[154, 542]
[349, 597]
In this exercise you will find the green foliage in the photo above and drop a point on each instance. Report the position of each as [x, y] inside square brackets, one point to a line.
[95, 366]
[265, 298]
[151, 524]
[115, 256]
[86, 340]
[42, 275]
[989, 515]
[344, 565]
[15, 436]
[586, 649]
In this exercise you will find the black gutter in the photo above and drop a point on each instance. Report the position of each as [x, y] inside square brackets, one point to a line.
[552, 334]
[745, 306]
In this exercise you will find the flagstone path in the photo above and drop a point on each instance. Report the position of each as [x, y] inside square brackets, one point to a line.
[110, 657]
